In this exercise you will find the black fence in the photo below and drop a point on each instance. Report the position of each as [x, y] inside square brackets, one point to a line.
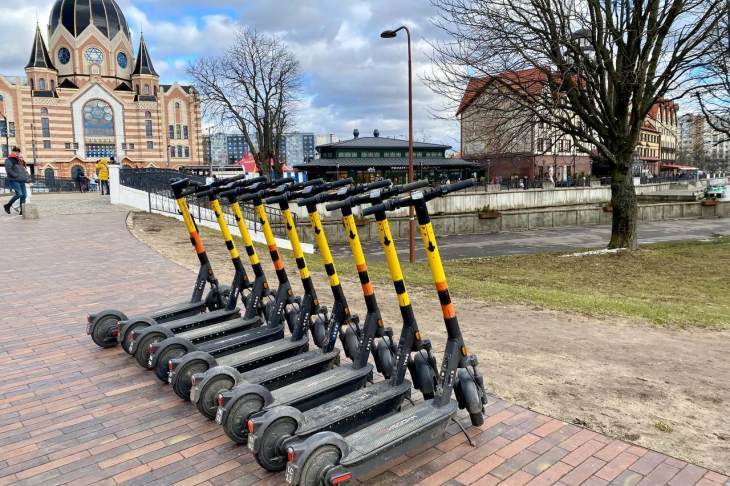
[40, 185]
[156, 183]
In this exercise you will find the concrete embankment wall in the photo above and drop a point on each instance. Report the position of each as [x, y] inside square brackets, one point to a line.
[524, 219]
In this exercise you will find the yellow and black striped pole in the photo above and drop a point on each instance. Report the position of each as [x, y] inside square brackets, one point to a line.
[241, 280]
[327, 260]
[253, 257]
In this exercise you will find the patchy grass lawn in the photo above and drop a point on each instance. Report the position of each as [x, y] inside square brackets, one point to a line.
[682, 284]
[679, 284]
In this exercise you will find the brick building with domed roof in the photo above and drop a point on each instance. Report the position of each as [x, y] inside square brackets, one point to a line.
[86, 95]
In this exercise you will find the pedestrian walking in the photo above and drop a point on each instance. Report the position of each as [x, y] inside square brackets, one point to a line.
[79, 178]
[17, 175]
[102, 172]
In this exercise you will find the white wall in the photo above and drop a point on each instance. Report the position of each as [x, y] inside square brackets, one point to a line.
[141, 200]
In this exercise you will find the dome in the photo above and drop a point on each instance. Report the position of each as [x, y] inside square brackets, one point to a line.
[77, 15]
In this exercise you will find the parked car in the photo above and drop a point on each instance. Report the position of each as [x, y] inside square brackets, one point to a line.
[715, 189]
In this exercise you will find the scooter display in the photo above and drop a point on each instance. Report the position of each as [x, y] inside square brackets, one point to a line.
[330, 458]
[237, 404]
[103, 326]
[271, 431]
[301, 362]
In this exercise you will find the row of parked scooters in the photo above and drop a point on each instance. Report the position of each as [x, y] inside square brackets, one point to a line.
[288, 397]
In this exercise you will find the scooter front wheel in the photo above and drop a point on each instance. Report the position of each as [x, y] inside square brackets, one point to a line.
[235, 426]
[269, 456]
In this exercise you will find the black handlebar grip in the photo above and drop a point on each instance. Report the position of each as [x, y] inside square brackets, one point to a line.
[412, 186]
[458, 186]
[376, 208]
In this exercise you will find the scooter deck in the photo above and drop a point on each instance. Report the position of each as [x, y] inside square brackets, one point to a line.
[359, 407]
[240, 340]
[322, 388]
[212, 331]
[388, 438]
[201, 320]
[251, 358]
[290, 370]
[173, 312]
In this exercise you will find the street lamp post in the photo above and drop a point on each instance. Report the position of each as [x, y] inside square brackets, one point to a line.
[389, 34]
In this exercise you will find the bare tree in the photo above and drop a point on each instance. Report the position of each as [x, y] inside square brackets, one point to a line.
[590, 70]
[714, 98]
[252, 85]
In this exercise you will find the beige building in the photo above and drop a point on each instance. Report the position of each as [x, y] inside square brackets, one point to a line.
[86, 96]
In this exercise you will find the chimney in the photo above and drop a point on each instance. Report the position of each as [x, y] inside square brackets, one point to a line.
[376, 133]
[356, 133]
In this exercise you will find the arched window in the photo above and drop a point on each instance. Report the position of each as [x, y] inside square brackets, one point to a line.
[42, 84]
[146, 89]
[148, 124]
[179, 151]
[49, 173]
[45, 124]
[177, 105]
[98, 119]
[77, 172]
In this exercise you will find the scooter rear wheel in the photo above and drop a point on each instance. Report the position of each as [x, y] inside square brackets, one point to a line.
[170, 352]
[142, 354]
[101, 334]
[235, 426]
[182, 383]
[317, 464]
[269, 456]
[126, 339]
[208, 401]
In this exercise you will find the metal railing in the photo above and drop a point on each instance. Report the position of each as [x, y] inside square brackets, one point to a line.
[156, 183]
[40, 185]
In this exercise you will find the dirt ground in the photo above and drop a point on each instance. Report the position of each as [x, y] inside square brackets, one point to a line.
[664, 389]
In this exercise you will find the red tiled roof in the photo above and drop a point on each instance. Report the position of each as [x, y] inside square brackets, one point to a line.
[531, 81]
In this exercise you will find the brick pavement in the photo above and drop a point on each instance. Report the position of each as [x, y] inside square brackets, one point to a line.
[73, 413]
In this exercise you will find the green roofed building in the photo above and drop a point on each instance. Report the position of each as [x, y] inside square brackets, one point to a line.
[371, 158]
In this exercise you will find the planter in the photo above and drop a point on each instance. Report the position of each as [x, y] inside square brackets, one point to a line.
[607, 209]
[489, 214]
[709, 202]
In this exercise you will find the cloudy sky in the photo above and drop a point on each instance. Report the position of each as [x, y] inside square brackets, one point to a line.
[353, 78]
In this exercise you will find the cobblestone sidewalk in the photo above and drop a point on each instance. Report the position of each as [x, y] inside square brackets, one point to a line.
[73, 413]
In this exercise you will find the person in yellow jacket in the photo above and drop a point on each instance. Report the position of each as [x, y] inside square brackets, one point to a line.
[102, 171]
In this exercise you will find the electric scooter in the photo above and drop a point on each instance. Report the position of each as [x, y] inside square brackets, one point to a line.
[103, 326]
[131, 329]
[236, 405]
[161, 353]
[330, 458]
[270, 432]
[252, 362]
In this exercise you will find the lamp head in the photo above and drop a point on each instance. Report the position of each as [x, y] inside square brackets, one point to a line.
[388, 34]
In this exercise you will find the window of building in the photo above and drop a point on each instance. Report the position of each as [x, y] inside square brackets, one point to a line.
[136, 89]
[155, 90]
[146, 89]
[49, 173]
[131, 146]
[32, 84]
[5, 150]
[124, 146]
[42, 84]
[172, 132]
[179, 151]
[45, 124]
[185, 132]
[98, 119]
[94, 55]
[178, 131]
[46, 144]
[172, 151]
[187, 152]
[148, 124]
[150, 145]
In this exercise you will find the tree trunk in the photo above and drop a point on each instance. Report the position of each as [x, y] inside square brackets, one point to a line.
[625, 208]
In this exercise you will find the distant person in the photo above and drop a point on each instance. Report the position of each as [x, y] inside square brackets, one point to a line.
[102, 172]
[16, 176]
[79, 178]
